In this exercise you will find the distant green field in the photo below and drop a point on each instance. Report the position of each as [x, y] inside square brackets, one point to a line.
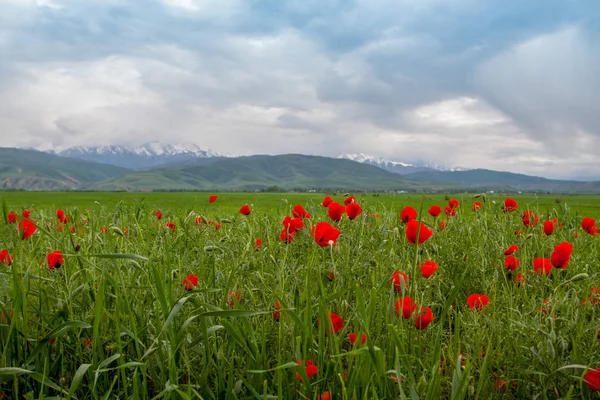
[279, 203]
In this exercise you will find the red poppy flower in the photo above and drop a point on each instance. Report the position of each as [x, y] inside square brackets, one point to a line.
[399, 279]
[442, 225]
[511, 250]
[104, 229]
[257, 244]
[299, 212]
[5, 258]
[55, 259]
[11, 217]
[592, 379]
[353, 336]
[530, 218]
[276, 314]
[542, 266]
[408, 214]
[353, 210]
[449, 211]
[325, 396]
[190, 282]
[424, 319]
[287, 236]
[26, 213]
[293, 224]
[335, 211]
[588, 223]
[405, 306]
[476, 206]
[349, 200]
[548, 227]
[199, 220]
[477, 301]
[311, 370]
[434, 211]
[72, 229]
[245, 210]
[453, 203]
[212, 199]
[337, 323]
[509, 205]
[26, 228]
[171, 225]
[325, 234]
[428, 268]
[519, 279]
[326, 201]
[232, 297]
[331, 275]
[511, 263]
[500, 386]
[411, 232]
[561, 255]
[60, 213]
[158, 214]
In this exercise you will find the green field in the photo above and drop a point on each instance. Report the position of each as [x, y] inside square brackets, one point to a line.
[114, 320]
[276, 203]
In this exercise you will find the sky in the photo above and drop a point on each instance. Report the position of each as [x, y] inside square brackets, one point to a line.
[506, 85]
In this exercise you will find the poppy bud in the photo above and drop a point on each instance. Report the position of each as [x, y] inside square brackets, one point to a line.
[117, 231]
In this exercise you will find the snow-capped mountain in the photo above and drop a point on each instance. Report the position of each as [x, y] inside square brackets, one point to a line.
[397, 166]
[146, 156]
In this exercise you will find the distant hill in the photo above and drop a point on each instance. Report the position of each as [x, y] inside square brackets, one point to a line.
[288, 171]
[36, 170]
[144, 157]
[505, 181]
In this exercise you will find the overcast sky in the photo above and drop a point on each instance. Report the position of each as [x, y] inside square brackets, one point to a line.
[508, 85]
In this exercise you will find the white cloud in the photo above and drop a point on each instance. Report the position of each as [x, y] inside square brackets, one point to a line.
[405, 80]
[456, 113]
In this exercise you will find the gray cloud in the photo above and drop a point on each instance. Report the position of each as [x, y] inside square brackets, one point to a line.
[475, 83]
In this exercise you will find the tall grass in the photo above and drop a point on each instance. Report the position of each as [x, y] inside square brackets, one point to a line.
[115, 322]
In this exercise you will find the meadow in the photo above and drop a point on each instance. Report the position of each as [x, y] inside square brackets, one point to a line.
[168, 295]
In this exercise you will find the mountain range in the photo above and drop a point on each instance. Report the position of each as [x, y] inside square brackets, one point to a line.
[398, 167]
[155, 166]
[140, 158]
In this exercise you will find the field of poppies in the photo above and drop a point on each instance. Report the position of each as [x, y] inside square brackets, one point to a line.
[299, 296]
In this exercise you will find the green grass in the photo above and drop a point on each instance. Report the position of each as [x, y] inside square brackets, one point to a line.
[115, 322]
[273, 203]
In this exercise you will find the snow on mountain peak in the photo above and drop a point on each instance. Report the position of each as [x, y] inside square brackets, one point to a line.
[396, 166]
[364, 158]
[145, 156]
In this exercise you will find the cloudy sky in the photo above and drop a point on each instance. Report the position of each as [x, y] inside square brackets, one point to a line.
[509, 85]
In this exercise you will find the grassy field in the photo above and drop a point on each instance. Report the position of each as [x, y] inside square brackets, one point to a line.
[114, 318]
[276, 203]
